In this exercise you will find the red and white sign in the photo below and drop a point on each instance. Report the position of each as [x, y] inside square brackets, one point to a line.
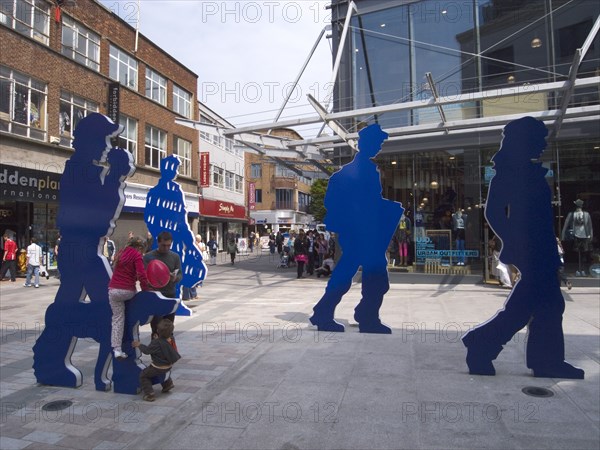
[216, 208]
[204, 169]
[252, 196]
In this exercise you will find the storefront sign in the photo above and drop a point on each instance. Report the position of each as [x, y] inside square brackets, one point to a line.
[216, 208]
[114, 95]
[204, 169]
[21, 184]
[135, 199]
[252, 196]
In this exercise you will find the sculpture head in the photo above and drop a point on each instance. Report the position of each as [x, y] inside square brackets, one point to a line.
[169, 167]
[370, 139]
[523, 140]
[92, 137]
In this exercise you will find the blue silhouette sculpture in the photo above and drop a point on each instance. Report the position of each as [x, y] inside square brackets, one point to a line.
[165, 211]
[91, 198]
[519, 211]
[355, 207]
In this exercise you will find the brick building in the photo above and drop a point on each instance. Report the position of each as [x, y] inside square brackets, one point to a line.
[56, 66]
[281, 192]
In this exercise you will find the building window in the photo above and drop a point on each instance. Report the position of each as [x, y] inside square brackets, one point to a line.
[156, 87]
[284, 199]
[22, 104]
[258, 195]
[217, 176]
[123, 68]
[228, 145]
[303, 201]
[256, 170]
[72, 109]
[128, 138]
[28, 17]
[239, 184]
[229, 176]
[156, 146]
[183, 149]
[80, 44]
[182, 102]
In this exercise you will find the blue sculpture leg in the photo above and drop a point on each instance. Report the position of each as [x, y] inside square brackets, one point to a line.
[339, 283]
[375, 283]
[545, 341]
[485, 342]
[56, 340]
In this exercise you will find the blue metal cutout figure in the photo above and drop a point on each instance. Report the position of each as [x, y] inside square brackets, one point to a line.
[91, 198]
[165, 211]
[355, 207]
[519, 211]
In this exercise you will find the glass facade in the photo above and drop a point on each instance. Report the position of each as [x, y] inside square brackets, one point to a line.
[467, 48]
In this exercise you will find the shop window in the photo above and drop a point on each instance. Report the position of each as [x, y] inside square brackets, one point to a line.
[155, 146]
[182, 102]
[128, 138]
[156, 87]
[22, 104]
[80, 43]
[72, 109]
[28, 17]
[183, 149]
[123, 68]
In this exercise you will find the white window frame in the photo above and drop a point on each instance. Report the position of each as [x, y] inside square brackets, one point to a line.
[239, 184]
[33, 20]
[182, 101]
[155, 146]
[128, 139]
[156, 86]
[229, 180]
[72, 109]
[183, 149]
[123, 68]
[217, 179]
[85, 45]
[23, 104]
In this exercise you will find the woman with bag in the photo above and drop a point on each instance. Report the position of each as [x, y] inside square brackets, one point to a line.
[213, 247]
[301, 252]
[231, 247]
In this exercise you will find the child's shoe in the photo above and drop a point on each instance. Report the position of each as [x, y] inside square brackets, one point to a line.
[120, 355]
[149, 397]
[167, 385]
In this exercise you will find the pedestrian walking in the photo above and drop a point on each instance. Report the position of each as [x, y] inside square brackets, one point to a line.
[34, 260]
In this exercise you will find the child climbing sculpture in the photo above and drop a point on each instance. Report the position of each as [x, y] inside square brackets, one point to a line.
[91, 198]
[355, 207]
[519, 211]
[165, 211]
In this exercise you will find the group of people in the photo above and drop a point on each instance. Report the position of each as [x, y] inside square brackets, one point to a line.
[33, 261]
[129, 267]
[311, 252]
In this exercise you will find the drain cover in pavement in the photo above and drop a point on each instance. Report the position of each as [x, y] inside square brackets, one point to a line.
[57, 405]
[535, 391]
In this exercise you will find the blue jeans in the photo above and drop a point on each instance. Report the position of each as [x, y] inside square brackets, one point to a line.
[36, 271]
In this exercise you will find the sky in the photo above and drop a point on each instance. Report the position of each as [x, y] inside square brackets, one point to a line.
[246, 53]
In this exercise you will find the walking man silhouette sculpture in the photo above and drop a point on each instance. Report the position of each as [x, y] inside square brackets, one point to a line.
[91, 198]
[519, 211]
[355, 207]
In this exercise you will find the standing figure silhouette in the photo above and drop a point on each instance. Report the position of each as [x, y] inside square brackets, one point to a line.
[355, 207]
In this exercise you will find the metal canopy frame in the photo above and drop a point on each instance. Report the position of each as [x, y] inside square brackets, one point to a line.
[313, 150]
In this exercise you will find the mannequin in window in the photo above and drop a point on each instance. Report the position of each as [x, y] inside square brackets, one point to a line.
[459, 222]
[578, 228]
[404, 230]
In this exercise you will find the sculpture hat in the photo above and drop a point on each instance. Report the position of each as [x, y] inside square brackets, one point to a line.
[578, 203]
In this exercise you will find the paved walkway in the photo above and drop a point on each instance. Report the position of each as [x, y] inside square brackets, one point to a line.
[255, 375]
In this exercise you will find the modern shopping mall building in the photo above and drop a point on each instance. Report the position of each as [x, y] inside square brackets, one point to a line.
[443, 78]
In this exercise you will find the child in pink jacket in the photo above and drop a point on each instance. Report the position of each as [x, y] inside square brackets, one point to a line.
[128, 268]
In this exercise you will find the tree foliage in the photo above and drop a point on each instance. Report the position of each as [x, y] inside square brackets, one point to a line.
[317, 193]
